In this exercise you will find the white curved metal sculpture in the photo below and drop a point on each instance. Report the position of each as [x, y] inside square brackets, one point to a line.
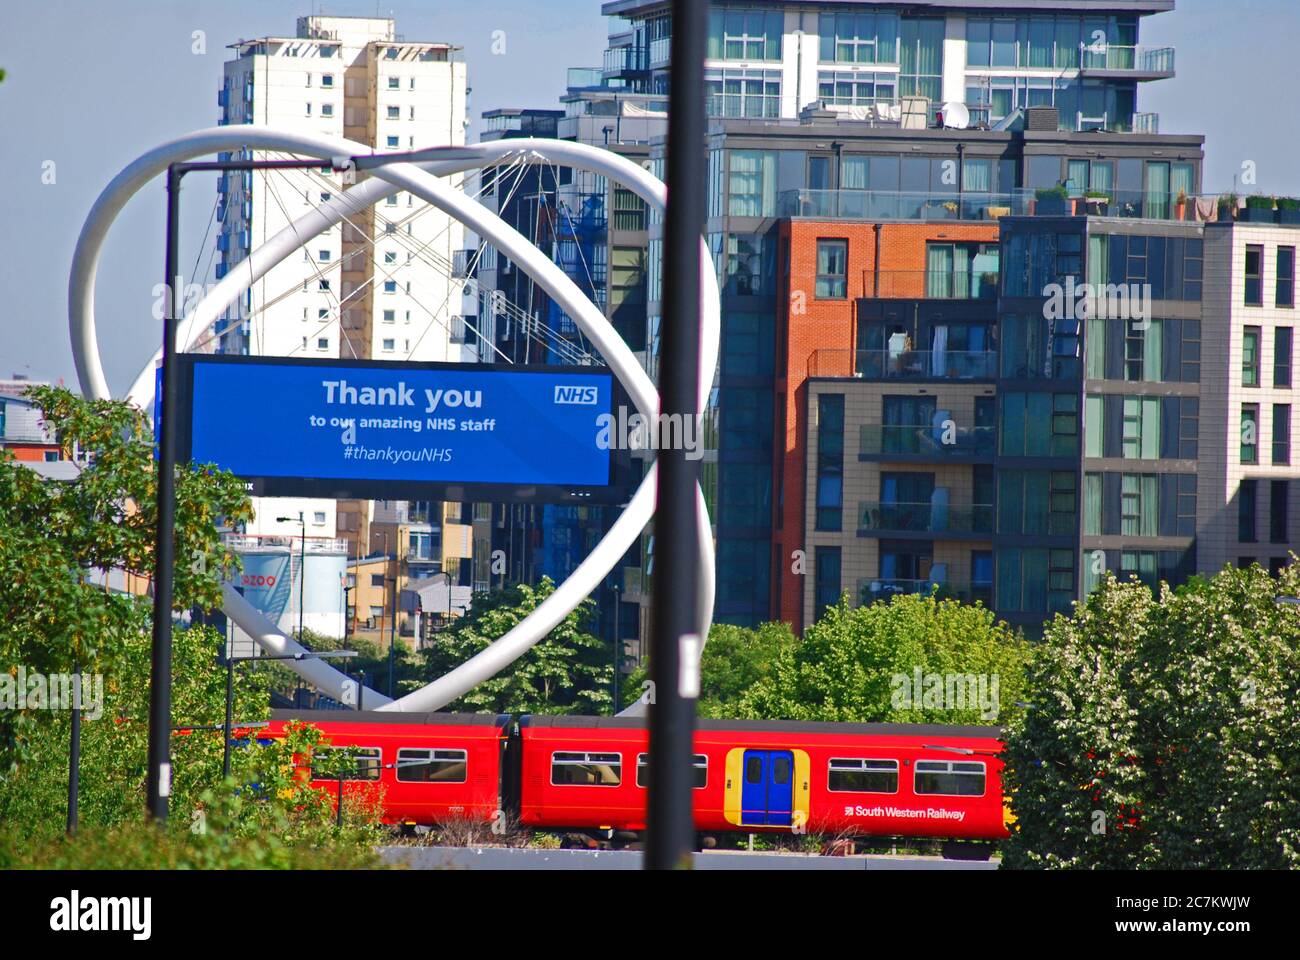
[422, 183]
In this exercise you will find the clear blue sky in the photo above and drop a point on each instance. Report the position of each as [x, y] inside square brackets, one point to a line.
[93, 83]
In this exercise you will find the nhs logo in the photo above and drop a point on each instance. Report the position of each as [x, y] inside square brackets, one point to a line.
[582, 396]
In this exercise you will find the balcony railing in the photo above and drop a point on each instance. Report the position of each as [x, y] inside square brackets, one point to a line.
[895, 205]
[875, 590]
[1122, 58]
[926, 518]
[926, 364]
[929, 440]
[661, 51]
[949, 284]
[757, 106]
[623, 60]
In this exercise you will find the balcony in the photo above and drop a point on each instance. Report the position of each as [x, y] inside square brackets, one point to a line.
[660, 52]
[905, 364]
[927, 442]
[625, 61]
[968, 282]
[463, 266]
[929, 520]
[754, 106]
[875, 590]
[1122, 62]
[876, 205]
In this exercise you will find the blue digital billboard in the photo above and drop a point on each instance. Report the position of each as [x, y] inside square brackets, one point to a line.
[369, 429]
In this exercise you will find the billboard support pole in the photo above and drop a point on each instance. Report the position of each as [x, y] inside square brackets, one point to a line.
[674, 654]
[158, 782]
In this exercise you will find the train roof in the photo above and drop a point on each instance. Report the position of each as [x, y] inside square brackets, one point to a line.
[773, 726]
[393, 717]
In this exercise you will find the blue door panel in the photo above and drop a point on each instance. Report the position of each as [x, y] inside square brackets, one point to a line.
[753, 790]
[780, 789]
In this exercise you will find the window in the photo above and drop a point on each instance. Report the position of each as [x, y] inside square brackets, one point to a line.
[1139, 505]
[1282, 349]
[1039, 425]
[745, 34]
[322, 314]
[1250, 357]
[390, 286]
[327, 79]
[323, 285]
[1247, 508]
[1141, 428]
[949, 778]
[832, 269]
[827, 573]
[394, 113]
[367, 764]
[322, 343]
[389, 346]
[431, 766]
[863, 776]
[1254, 276]
[1279, 512]
[1281, 434]
[392, 143]
[327, 109]
[752, 185]
[830, 461]
[309, 109]
[376, 579]
[394, 83]
[699, 770]
[1285, 277]
[587, 769]
[1250, 433]
[390, 316]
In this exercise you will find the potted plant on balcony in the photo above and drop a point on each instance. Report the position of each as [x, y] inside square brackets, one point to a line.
[1098, 202]
[1053, 202]
[1260, 209]
[1288, 211]
[951, 207]
[1229, 203]
[1180, 205]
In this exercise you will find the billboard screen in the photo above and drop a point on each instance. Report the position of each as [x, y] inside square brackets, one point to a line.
[378, 430]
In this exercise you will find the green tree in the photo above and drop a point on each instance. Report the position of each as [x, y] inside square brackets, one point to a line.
[734, 660]
[880, 663]
[570, 671]
[53, 617]
[1163, 732]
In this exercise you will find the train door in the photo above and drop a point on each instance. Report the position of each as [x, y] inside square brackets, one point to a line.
[767, 791]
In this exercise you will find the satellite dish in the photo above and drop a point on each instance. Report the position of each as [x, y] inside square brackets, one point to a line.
[956, 116]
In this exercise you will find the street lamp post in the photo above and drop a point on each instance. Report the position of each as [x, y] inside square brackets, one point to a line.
[302, 568]
[392, 639]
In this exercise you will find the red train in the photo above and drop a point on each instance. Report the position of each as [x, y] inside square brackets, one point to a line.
[587, 774]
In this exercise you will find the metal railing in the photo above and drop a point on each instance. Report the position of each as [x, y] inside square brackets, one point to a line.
[950, 284]
[873, 590]
[757, 106]
[931, 364]
[661, 51]
[1127, 58]
[896, 205]
[928, 518]
[619, 60]
[928, 440]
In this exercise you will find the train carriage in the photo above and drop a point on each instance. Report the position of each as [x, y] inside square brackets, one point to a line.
[894, 780]
[433, 767]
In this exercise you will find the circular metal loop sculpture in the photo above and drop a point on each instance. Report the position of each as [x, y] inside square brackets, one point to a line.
[423, 181]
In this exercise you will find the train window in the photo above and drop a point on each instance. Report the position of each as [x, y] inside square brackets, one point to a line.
[432, 766]
[949, 778]
[781, 770]
[754, 770]
[587, 769]
[367, 764]
[699, 764]
[863, 776]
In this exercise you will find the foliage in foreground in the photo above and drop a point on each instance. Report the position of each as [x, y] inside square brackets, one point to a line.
[1163, 732]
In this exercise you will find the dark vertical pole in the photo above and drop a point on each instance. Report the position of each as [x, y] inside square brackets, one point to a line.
[160, 669]
[302, 577]
[392, 642]
[230, 710]
[618, 640]
[676, 602]
[74, 754]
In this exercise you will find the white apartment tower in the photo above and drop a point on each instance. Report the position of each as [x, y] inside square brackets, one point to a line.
[381, 285]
